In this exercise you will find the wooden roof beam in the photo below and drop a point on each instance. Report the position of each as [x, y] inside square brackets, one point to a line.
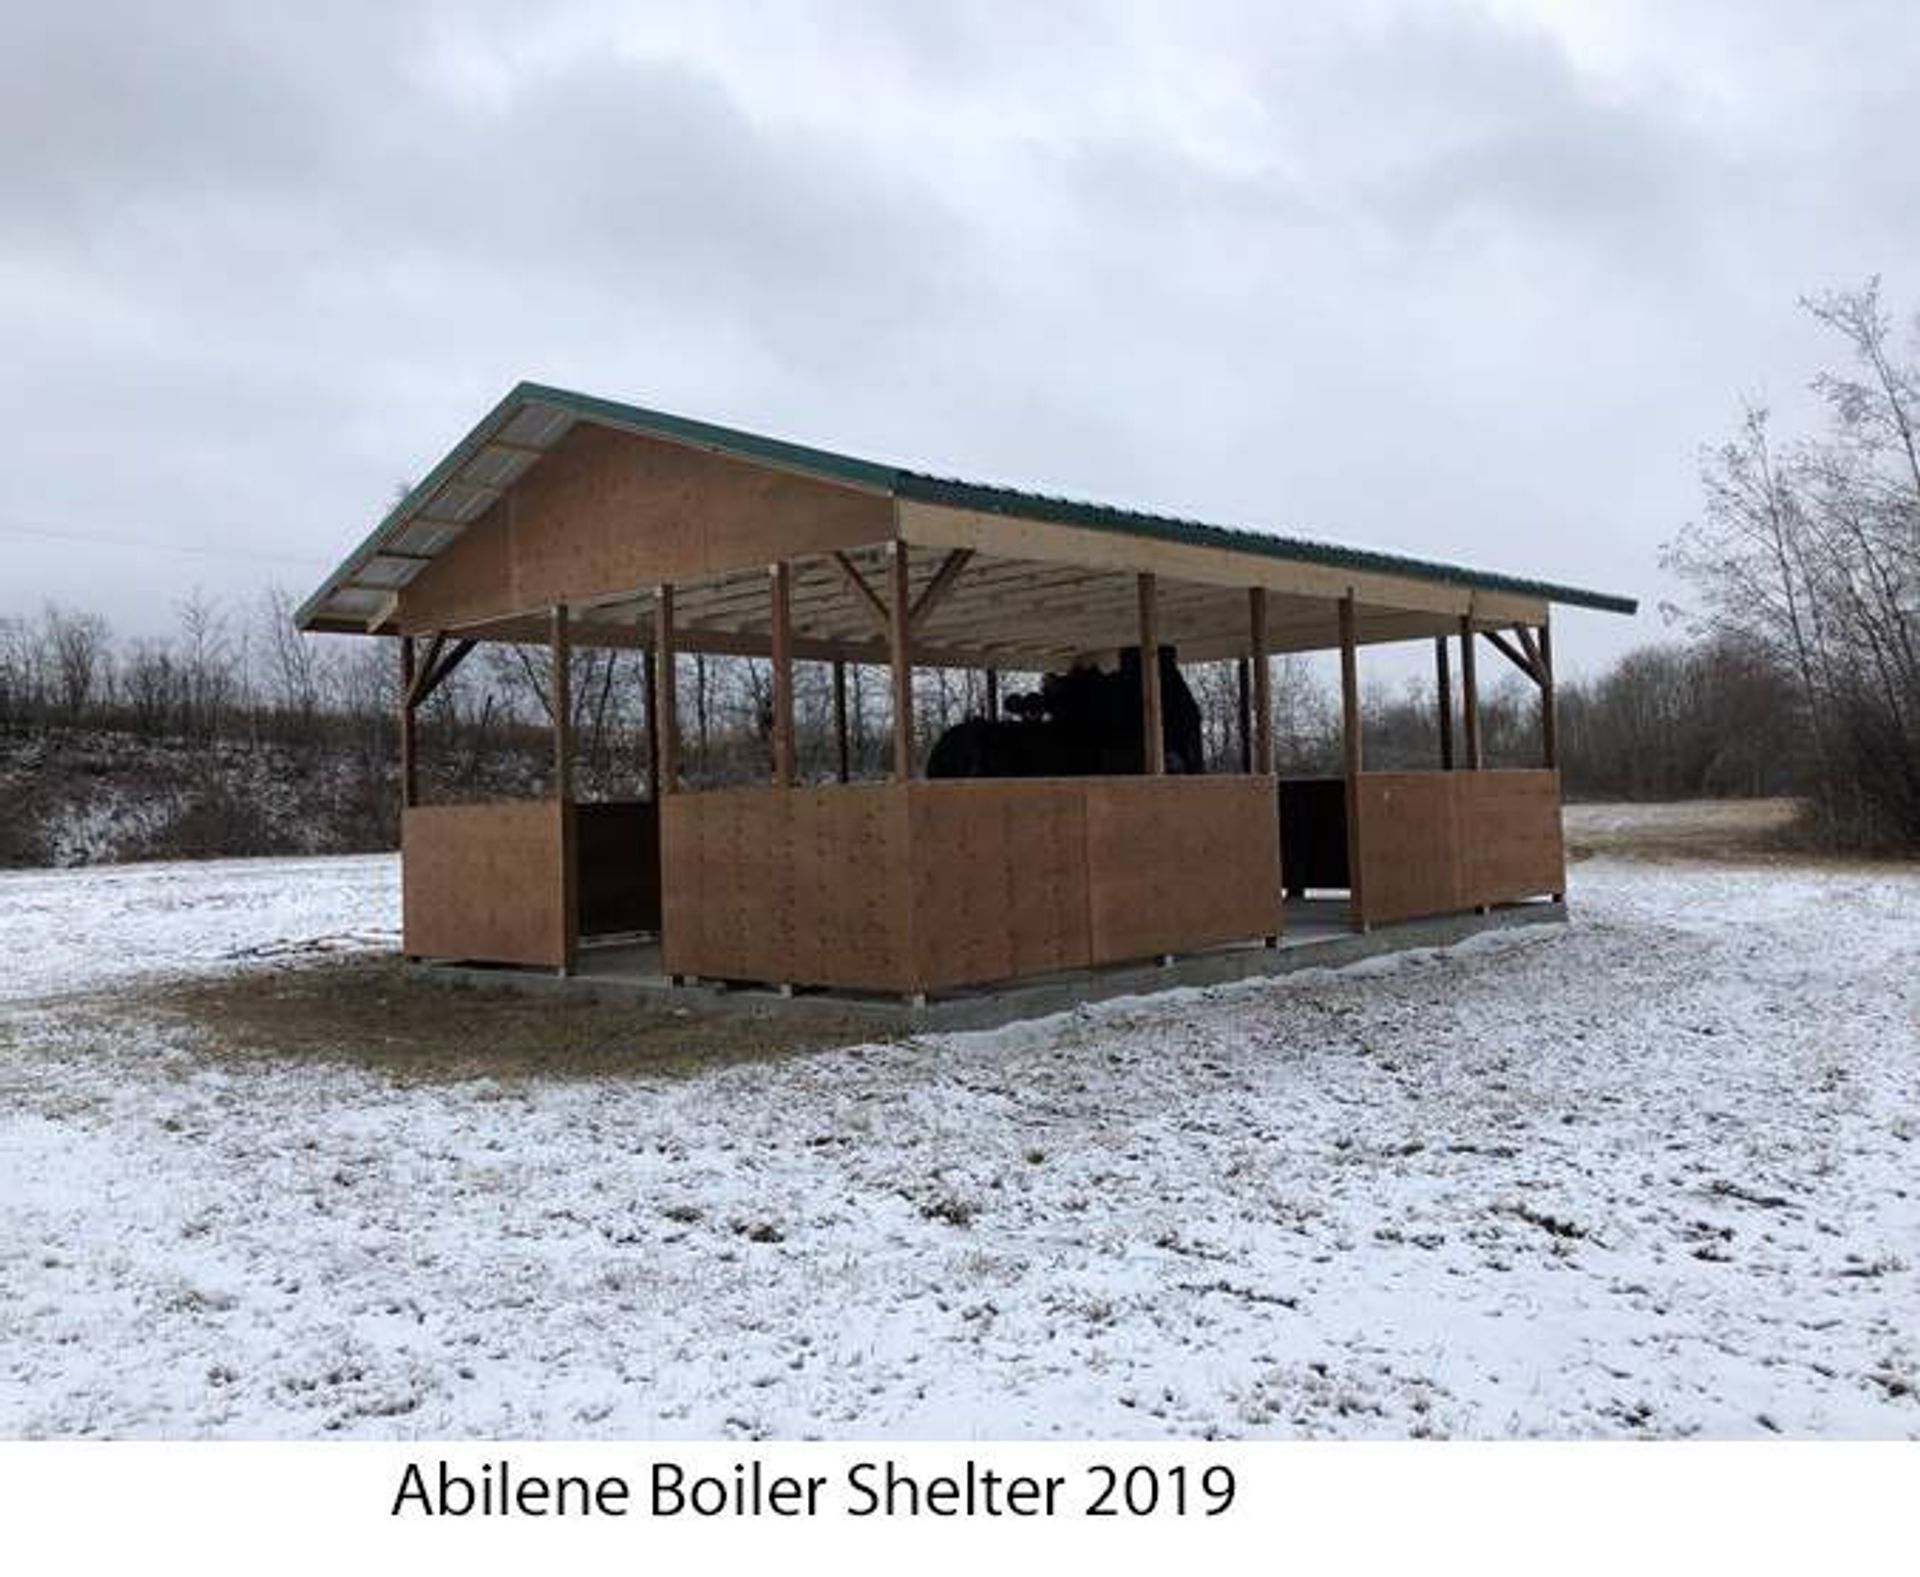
[1005, 536]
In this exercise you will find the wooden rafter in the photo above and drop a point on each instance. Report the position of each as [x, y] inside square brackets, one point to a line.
[493, 489]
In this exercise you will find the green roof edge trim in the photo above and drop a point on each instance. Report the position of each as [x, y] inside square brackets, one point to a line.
[923, 487]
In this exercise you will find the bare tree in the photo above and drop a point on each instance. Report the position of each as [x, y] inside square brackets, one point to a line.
[78, 642]
[1809, 555]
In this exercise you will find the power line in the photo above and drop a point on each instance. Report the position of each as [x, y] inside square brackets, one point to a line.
[179, 549]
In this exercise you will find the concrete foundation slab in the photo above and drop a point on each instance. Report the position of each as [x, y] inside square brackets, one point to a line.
[1317, 937]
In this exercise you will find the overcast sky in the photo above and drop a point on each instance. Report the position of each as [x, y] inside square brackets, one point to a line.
[1473, 282]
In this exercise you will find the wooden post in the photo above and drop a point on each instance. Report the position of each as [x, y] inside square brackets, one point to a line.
[1469, 694]
[900, 657]
[1470, 704]
[782, 656]
[562, 702]
[562, 651]
[842, 755]
[1243, 711]
[1153, 736]
[1350, 738]
[665, 693]
[993, 692]
[1262, 683]
[1549, 711]
[409, 765]
[1443, 686]
[650, 684]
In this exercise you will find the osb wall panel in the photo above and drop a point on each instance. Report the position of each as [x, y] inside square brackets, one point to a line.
[1440, 842]
[922, 886]
[999, 880]
[471, 574]
[608, 511]
[719, 906]
[1510, 835]
[617, 845]
[1179, 863]
[850, 898]
[484, 882]
[809, 886]
[1409, 845]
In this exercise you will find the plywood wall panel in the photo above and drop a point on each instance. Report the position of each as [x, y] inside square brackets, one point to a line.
[1177, 863]
[963, 882]
[847, 919]
[1440, 842]
[484, 882]
[923, 886]
[471, 578]
[1047, 916]
[800, 886]
[607, 511]
[1510, 835]
[1409, 845]
[999, 880]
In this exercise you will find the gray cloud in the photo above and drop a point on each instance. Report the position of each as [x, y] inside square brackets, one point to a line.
[1465, 282]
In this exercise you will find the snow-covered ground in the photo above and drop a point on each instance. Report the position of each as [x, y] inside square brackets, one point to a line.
[65, 930]
[1654, 1173]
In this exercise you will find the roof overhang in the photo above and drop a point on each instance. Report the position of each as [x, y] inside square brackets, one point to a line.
[1410, 596]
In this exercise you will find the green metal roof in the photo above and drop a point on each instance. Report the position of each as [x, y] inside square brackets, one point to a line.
[904, 482]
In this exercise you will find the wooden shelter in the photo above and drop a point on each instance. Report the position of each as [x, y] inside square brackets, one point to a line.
[573, 521]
